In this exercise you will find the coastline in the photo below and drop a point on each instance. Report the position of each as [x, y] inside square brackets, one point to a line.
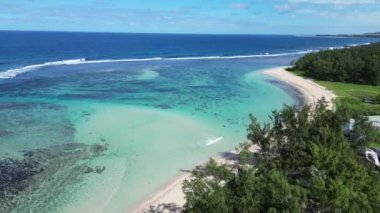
[310, 92]
[297, 95]
[171, 193]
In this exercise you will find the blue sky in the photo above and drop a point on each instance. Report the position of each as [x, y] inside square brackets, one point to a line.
[193, 16]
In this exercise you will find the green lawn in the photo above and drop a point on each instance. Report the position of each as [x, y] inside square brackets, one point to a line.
[375, 145]
[351, 90]
[352, 94]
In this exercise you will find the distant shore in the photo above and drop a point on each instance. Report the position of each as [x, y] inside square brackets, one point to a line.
[310, 91]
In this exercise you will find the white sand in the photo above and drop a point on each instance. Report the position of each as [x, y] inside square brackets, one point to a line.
[172, 193]
[136, 163]
[311, 90]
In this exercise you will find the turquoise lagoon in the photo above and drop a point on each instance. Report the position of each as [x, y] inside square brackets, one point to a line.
[156, 117]
[101, 134]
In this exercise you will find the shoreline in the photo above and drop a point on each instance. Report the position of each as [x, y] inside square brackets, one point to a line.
[309, 91]
[298, 96]
[171, 193]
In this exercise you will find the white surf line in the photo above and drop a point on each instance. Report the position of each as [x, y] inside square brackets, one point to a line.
[14, 72]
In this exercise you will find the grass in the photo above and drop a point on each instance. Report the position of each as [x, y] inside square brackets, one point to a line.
[351, 90]
[375, 145]
[352, 95]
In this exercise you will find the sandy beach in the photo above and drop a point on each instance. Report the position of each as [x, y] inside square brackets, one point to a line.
[172, 192]
[311, 91]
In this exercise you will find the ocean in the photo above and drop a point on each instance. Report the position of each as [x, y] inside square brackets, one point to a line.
[96, 122]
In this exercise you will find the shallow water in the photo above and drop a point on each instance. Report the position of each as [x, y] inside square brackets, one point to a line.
[156, 116]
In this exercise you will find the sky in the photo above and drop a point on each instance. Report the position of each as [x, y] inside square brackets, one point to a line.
[300, 17]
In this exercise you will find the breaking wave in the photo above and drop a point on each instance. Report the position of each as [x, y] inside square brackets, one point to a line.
[11, 73]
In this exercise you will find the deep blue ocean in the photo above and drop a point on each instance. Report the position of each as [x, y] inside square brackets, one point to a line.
[97, 122]
[27, 48]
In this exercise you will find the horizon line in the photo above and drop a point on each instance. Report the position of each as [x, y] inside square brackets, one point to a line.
[162, 33]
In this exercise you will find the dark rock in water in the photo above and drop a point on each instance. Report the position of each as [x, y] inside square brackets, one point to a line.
[88, 169]
[99, 169]
[13, 171]
[165, 89]
[163, 106]
[5, 132]
[16, 105]
[85, 113]
[87, 96]
[96, 169]
[14, 176]
[69, 146]
[97, 149]
[41, 174]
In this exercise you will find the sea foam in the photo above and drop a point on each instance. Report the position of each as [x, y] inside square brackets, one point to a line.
[15, 72]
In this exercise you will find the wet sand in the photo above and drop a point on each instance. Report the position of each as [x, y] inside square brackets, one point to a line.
[311, 91]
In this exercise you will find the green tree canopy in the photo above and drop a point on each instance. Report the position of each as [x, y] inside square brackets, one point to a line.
[356, 64]
[305, 163]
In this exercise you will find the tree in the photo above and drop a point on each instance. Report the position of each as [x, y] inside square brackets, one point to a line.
[305, 163]
[356, 64]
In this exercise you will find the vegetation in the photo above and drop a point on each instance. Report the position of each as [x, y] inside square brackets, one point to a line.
[364, 35]
[362, 99]
[305, 164]
[334, 69]
[357, 65]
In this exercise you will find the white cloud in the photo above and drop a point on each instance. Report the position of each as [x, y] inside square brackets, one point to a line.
[285, 7]
[240, 6]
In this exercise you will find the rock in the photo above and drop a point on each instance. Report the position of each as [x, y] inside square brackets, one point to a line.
[64, 164]
[5, 132]
[88, 169]
[163, 106]
[99, 169]
[97, 149]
